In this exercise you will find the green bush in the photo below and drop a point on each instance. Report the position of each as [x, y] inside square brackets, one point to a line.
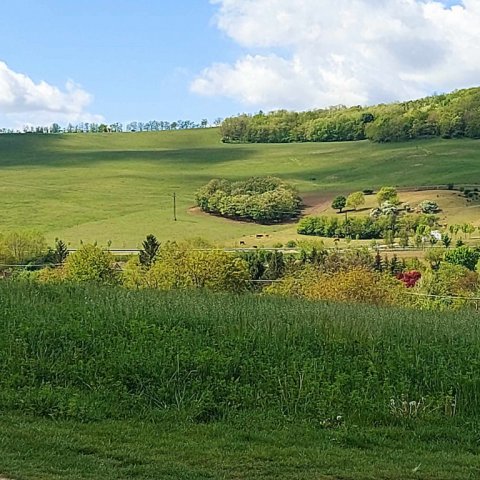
[428, 206]
[91, 263]
[464, 256]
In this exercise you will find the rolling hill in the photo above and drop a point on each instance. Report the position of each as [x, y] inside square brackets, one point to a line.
[119, 187]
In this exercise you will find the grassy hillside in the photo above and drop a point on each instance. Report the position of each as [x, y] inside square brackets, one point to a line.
[104, 383]
[118, 186]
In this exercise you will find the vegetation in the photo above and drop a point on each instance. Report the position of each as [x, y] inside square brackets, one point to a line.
[428, 206]
[453, 115]
[150, 250]
[387, 194]
[261, 199]
[339, 203]
[355, 200]
[77, 167]
[251, 448]
[22, 247]
[144, 354]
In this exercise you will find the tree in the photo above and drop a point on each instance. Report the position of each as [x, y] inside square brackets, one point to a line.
[339, 203]
[446, 240]
[181, 267]
[59, 254]
[387, 194]
[91, 264]
[355, 199]
[428, 206]
[21, 247]
[150, 249]
[464, 256]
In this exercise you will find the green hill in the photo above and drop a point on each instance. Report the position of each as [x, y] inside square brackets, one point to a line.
[119, 187]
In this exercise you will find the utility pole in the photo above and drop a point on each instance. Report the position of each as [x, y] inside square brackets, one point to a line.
[174, 206]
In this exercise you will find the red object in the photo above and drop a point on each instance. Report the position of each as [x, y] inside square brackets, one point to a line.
[409, 279]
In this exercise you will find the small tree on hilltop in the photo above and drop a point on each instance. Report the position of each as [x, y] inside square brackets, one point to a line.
[339, 203]
[387, 194]
[355, 199]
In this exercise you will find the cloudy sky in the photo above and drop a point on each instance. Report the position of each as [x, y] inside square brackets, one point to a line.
[119, 60]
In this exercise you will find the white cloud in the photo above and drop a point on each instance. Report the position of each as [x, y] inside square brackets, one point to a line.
[22, 101]
[313, 53]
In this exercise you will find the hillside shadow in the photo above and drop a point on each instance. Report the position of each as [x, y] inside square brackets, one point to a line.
[46, 150]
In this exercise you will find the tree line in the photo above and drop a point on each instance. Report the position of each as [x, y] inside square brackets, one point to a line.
[453, 115]
[352, 275]
[117, 127]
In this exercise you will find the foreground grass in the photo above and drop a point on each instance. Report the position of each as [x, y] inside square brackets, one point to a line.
[119, 186]
[92, 353]
[106, 383]
[32, 448]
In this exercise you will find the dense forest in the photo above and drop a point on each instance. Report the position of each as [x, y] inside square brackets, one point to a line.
[452, 115]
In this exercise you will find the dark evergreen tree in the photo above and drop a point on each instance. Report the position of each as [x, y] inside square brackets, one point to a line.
[150, 249]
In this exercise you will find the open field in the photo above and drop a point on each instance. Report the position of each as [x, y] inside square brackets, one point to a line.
[119, 187]
[103, 383]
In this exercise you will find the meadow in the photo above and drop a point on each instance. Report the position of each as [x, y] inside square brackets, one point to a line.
[107, 383]
[119, 187]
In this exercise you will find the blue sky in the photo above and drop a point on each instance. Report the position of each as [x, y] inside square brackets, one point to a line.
[137, 58]
[190, 59]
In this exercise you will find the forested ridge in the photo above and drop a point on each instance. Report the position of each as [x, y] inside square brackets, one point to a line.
[453, 115]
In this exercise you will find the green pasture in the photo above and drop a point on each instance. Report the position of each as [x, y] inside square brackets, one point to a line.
[119, 187]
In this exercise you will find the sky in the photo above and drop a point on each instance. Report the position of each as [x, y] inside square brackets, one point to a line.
[123, 60]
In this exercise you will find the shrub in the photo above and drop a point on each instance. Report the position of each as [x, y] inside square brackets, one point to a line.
[387, 194]
[22, 247]
[180, 267]
[90, 263]
[428, 206]
[356, 285]
[464, 256]
[409, 278]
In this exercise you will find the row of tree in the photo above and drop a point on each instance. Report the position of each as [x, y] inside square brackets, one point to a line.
[451, 115]
[450, 276]
[258, 199]
[117, 127]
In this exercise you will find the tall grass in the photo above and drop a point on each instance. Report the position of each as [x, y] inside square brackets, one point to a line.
[91, 353]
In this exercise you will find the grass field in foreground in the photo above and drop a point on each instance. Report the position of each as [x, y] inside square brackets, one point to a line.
[119, 187]
[44, 449]
[102, 383]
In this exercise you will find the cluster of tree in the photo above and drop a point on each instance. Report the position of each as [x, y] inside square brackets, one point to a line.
[451, 115]
[366, 228]
[259, 199]
[117, 127]
[30, 248]
[353, 201]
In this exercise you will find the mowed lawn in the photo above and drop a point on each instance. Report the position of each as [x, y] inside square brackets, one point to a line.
[119, 187]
